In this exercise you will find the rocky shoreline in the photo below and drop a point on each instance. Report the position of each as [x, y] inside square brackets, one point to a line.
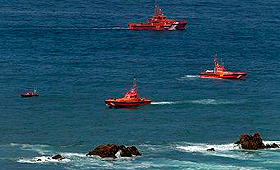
[111, 150]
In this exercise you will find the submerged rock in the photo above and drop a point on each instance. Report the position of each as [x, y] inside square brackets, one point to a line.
[110, 150]
[58, 157]
[274, 145]
[253, 142]
[211, 149]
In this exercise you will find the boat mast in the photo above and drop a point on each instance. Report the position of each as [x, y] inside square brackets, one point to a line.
[134, 85]
[216, 62]
[158, 11]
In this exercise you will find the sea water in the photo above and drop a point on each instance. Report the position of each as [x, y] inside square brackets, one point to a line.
[78, 53]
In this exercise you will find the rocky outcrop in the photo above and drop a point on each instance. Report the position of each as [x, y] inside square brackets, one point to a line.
[210, 149]
[110, 150]
[274, 145]
[253, 142]
[58, 157]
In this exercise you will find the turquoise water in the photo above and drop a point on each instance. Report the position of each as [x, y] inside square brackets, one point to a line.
[78, 53]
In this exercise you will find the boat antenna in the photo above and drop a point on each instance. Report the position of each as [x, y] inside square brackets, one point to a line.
[134, 85]
[158, 11]
[215, 59]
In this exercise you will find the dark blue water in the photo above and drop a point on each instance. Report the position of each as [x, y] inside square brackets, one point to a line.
[78, 53]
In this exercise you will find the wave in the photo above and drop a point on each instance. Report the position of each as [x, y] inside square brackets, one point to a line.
[202, 147]
[42, 159]
[40, 148]
[81, 161]
[229, 150]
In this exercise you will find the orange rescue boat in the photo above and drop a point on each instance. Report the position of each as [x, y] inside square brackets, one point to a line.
[131, 98]
[159, 21]
[30, 94]
[220, 72]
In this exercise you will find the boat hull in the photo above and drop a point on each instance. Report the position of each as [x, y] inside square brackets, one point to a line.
[114, 103]
[178, 25]
[232, 75]
[29, 95]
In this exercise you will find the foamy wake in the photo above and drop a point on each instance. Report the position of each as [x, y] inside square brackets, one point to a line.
[201, 101]
[110, 28]
[163, 103]
[212, 101]
[188, 77]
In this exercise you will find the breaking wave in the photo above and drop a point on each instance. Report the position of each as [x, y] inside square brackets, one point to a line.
[154, 157]
[42, 159]
[229, 150]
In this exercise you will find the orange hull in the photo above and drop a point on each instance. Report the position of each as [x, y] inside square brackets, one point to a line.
[224, 75]
[123, 102]
[30, 94]
[180, 25]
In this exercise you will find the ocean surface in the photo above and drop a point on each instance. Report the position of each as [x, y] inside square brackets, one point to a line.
[77, 53]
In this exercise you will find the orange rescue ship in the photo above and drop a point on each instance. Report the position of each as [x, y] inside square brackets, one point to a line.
[220, 72]
[131, 98]
[159, 21]
[30, 94]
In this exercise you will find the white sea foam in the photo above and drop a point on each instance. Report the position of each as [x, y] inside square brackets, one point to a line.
[188, 77]
[40, 148]
[80, 161]
[212, 102]
[271, 142]
[74, 154]
[191, 76]
[109, 28]
[42, 159]
[118, 154]
[230, 150]
[202, 147]
[163, 103]
[201, 101]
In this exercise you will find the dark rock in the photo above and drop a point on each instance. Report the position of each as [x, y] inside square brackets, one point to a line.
[58, 157]
[274, 145]
[134, 151]
[211, 149]
[110, 150]
[125, 152]
[39, 159]
[253, 142]
[104, 151]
